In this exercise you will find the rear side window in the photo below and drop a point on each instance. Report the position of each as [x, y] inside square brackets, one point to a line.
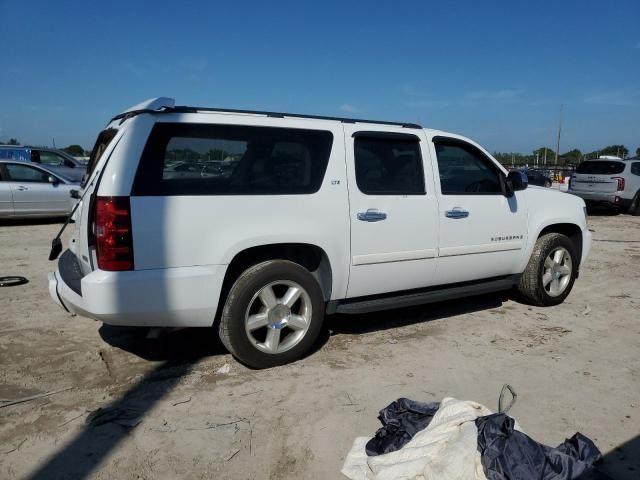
[50, 159]
[197, 159]
[635, 168]
[600, 167]
[388, 164]
[465, 170]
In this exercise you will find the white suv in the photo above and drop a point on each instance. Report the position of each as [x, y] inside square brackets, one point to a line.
[261, 223]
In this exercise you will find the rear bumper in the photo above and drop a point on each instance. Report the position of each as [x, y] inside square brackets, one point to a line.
[171, 297]
[611, 199]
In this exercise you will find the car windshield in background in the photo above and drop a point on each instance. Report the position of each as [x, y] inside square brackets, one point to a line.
[600, 167]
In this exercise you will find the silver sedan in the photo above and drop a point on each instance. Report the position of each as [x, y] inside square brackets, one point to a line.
[28, 190]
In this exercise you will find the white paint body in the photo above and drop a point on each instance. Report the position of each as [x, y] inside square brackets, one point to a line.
[184, 244]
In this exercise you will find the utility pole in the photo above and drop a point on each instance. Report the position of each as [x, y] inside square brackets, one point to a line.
[559, 130]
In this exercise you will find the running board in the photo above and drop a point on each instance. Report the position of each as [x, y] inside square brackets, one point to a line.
[430, 295]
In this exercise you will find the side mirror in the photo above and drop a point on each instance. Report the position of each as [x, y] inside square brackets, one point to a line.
[515, 182]
[53, 180]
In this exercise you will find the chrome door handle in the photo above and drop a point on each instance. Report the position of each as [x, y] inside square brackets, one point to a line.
[372, 215]
[22, 188]
[457, 212]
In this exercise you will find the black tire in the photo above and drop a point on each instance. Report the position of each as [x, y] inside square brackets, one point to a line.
[243, 296]
[547, 184]
[531, 285]
[634, 208]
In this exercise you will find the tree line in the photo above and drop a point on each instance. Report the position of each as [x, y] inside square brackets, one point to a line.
[572, 157]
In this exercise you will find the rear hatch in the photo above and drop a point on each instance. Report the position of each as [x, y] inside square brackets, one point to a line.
[598, 176]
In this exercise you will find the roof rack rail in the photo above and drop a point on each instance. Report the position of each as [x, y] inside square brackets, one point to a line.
[187, 109]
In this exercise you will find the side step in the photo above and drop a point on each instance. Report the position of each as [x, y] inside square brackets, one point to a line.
[433, 294]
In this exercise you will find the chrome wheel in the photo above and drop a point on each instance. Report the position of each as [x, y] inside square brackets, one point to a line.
[278, 316]
[557, 271]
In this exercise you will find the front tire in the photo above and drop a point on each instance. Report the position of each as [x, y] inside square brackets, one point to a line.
[272, 315]
[551, 271]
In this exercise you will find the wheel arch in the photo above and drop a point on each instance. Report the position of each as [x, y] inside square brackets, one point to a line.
[310, 256]
[571, 230]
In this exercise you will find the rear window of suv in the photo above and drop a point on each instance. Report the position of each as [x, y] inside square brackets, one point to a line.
[203, 159]
[600, 167]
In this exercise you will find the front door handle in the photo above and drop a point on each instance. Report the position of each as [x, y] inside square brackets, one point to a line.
[372, 215]
[22, 188]
[456, 212]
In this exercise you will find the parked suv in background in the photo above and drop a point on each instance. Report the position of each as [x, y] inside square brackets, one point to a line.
[55, 160]
[609, 181]
[259, 223]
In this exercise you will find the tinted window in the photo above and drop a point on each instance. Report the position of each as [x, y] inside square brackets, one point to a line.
[25, 173]
[465, 170]
[635, 168]
[195, 159]
[102, 142]
[600, 167]
[389, 165]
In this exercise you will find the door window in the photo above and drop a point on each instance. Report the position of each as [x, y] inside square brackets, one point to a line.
[25, 173]
[465, 170]
[388, 164]
[51, 159]
[635, 168]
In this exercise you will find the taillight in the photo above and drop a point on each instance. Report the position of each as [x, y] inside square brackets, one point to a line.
[620, 182]
[112, 228]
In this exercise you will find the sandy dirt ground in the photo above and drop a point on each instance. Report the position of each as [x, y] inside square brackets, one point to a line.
[179, 406]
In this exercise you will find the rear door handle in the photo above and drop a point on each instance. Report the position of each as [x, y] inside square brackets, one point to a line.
[372, 215]
[456, 212]
[22, 188]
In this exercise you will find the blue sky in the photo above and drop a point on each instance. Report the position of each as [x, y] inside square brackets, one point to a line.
[496, 71]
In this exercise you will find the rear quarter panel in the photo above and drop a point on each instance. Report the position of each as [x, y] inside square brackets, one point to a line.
[184, 231]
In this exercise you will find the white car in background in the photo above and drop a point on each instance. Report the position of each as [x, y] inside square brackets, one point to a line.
[313, 216]
[28, 190]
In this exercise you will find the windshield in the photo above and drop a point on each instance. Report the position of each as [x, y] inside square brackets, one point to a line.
[600, 167]
[104, 138]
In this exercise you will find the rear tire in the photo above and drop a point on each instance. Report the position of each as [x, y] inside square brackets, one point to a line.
[634, 209]
[272, 315]
[551, 271]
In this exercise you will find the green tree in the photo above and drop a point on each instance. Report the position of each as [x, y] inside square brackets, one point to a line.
[618, 150]
[571, 157]
[13, 141]
[638, 152]
[74, 150]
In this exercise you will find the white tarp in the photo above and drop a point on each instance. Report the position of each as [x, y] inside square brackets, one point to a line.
[447, 449]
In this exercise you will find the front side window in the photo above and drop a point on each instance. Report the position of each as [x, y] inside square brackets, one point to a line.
[465, 170]
[25, 173]
[388, 164]
[196, 159]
